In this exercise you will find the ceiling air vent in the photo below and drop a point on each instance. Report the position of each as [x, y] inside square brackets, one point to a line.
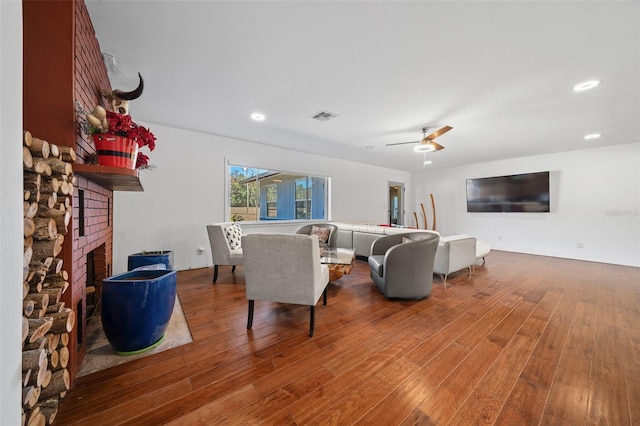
[324, 116]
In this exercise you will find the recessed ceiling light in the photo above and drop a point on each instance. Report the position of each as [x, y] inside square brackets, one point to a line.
[423, 147]
[369, 147]
[257, 116]
[586, 85]
[426, 163]
[592, 136]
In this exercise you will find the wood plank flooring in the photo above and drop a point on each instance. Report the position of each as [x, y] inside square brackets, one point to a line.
[523, 340]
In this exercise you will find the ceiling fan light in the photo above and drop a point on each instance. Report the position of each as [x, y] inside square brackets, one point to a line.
[586, 85]
[424, 147]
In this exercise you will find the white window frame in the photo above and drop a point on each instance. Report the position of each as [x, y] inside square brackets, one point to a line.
[271, 165]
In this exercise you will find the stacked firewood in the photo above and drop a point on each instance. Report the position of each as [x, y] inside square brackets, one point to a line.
[46, 322]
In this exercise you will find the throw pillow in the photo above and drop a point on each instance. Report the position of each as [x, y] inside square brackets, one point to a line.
[234, 236]
[322, 233]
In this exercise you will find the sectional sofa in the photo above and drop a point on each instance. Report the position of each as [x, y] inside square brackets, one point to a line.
[360, 237]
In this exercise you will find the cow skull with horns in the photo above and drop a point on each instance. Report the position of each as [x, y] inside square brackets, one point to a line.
[119, 100]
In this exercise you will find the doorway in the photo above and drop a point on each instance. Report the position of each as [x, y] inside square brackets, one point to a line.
[396, 203]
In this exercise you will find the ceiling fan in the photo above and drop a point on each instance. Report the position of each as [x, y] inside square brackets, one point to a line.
[427, 143]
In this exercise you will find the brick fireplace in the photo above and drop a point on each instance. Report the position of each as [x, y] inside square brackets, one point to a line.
[63, 67]
[92, 242]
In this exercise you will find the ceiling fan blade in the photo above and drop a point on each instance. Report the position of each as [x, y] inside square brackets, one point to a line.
[438, 132]
[429, 146]
[400, 143]
[436, 145]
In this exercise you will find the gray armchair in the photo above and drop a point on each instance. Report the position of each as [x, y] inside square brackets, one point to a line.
[224, 251]
[333, 232]
[284, 268]
[404, 270]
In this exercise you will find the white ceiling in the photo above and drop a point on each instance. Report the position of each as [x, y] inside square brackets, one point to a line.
[500, 73]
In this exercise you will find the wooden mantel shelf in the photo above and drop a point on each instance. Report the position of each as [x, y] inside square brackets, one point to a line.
[112, 178]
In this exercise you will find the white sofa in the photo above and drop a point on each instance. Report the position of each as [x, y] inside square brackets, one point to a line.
[457, 252]
[482, 249]
[453, 254]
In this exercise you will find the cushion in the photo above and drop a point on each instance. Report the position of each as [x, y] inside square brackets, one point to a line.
[322, 233]
[234, 236]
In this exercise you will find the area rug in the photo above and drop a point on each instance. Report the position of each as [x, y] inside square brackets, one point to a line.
[100, 355]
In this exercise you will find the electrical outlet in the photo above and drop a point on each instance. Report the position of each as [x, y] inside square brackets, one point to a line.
[200, 251]
[580, 245]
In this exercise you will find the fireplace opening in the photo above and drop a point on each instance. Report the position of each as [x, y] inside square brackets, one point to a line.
[96, 272]
[81, 212]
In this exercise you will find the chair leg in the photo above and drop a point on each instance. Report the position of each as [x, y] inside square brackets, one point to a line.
[469, 267]
[312, 320]
[215, 273]
[233, 268]
[250, 317]
[324, 296]
[443, 277]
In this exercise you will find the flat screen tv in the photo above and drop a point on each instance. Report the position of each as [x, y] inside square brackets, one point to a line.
[528, 192]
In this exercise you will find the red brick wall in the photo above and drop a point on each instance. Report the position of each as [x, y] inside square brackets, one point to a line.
[90, 76]
[90, 73]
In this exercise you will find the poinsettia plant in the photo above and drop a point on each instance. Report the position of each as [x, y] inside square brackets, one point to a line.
[116, 124]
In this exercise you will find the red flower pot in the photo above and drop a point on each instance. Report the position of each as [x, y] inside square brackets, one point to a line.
[116, 151]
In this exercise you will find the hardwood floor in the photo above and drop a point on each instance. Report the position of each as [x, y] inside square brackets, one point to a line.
[523, 340]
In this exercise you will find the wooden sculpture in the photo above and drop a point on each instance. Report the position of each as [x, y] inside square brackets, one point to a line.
[424, 216]
[433, 207]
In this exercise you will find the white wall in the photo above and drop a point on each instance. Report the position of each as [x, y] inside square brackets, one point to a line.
[187, 190]
[595, 200]
[11, 211]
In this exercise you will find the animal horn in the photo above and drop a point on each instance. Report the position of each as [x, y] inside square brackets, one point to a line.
[129, 96]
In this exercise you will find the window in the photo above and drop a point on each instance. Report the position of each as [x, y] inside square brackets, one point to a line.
[303, 199]
[272, 200]
[257, 194]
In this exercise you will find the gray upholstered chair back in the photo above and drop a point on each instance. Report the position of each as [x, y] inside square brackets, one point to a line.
[284, 268]
[333, 231]
[404, 270]
[221, 251]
